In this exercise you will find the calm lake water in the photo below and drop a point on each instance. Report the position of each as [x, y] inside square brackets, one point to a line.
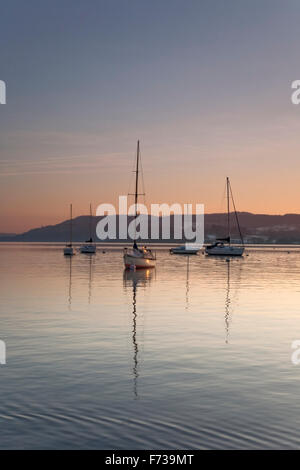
[195, 354]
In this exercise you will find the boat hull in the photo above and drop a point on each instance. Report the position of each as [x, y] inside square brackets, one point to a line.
[138, 262]
[68, 251]
[90, 249]
[177, 251]
[225, 251]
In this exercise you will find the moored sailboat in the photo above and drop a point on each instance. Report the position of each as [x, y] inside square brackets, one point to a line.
[68, 249]
[89, 246]
[184, 250]
[222, 246]
[136, 258]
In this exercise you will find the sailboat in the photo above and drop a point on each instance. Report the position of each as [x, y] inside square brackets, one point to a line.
[136, 257]
[89, 246]
[184, 250]
[68, 249]
[222, 246]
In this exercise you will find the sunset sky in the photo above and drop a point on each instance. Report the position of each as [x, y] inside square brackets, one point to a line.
[204, 84]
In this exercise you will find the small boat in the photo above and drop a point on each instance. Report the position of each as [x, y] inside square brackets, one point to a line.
[137, 258]
[219, 248]
[184, 250]
[89, 246]
[222, 246]
[68, 249]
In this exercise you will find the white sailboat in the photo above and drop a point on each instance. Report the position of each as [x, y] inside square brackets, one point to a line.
[136, 258]
[68, 249]
[186, 249]
[222, 246]
[89, 246]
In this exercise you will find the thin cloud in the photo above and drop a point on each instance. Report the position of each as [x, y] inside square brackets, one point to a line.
[57, 165]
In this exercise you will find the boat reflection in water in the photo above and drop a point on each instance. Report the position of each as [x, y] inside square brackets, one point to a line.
[90, 261]
[135, 280]
[69, 261]
[227, 303]
[187, 283]
[91, 267]
[231, 297]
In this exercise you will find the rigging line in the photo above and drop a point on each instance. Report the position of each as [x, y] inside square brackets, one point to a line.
[220, 207]
[228, 209]
[142, 178]
[235, 213]
[131, 178]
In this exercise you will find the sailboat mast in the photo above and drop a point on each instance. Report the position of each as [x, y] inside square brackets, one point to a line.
[228, 209]
[136, 185]
[90, 221]
[137, 177]
[70, 224]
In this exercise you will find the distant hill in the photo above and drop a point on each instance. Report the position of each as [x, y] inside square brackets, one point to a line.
[7, 234]
[256, 228]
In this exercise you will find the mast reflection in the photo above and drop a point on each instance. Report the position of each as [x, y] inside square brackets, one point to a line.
[187, 283]
[70, 283]
[230, 299]
[135, 279]
[91, 262]
[227, 303]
